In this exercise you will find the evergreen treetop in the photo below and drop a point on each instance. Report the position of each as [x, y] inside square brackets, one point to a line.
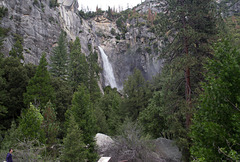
[17, 49]
[39, 89]
[59, 58]
[78, 66]
[216, 126]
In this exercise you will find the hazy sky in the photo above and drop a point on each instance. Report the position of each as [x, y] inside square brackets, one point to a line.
[103, 4]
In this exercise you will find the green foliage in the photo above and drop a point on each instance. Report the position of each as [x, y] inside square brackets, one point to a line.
[188, 28]
[53, 3]
[29, 150]
[14, 77]
[100, 34]
[31, 69]
[148, 49]
[113, 31]
[3, 12]
[3, 109]
[78, 67]
[74, 147]
[10, 137]
[109, 13]
[62, 102]
[165, 114]
[3, 34]
[153, 117]
[132, 145]
[233, 28]
[59, 58]
[36, 3]
[87, 15]
[136, 94]
[107, 111]
[93, 77]
[17, 49]
[42, 6]
[99, 11]
[39, 89]
[50, 124]
[30, 124]
[82, 111]
[118, 37]
[13, 85]
[120, 23]
[216, 129]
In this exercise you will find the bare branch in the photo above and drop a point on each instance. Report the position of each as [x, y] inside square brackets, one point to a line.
[237, 108]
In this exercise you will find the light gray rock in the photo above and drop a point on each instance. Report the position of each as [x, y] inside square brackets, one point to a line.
[163, 150]
[32, 22]
[168, 149]
[40, 27]
[103, 142]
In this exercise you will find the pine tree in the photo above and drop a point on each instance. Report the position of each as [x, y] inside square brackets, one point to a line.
[3, 109]
[78, 66]
[107, 111]
[11, 137]
[63, 92]
[165, 114]
[39, 89]
[3, 12]
[216, 126]
[136, 95]
[74, 147]
[13, 85]
[194, 24]
[93, 76]
[17, 49]
[59, 58]
[50, 124]
[53, 3]
[188, 28]
[82, 111]
[30, 124]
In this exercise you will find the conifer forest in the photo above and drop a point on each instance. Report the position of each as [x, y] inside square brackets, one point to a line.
[159, 82]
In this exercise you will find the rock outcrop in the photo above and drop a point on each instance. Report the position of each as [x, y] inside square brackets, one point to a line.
[40, 26]
[163, 150]
[136, 47]
[103, 143]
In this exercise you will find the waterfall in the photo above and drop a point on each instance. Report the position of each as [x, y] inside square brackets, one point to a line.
[107, 70]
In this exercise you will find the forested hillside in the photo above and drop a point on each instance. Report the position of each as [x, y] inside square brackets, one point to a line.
[177, 70]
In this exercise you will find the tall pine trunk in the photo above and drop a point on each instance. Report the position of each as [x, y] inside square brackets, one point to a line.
[186, 150]
[187, 69]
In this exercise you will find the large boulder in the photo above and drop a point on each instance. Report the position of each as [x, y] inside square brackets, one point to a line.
[137, 150]
[167, 149]
[103, 142]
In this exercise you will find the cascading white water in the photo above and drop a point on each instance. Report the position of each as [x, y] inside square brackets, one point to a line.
[107, 70]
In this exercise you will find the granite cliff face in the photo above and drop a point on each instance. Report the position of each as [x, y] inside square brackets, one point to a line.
[40, 27]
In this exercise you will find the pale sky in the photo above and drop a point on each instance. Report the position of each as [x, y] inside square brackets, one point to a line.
[103, 4]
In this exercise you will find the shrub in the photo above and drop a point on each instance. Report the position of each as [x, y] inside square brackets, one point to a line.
[53, 3]
[118, 37]
[113, 31]
[131, 145]
[36, 3]
[148, 49]
[3, 12]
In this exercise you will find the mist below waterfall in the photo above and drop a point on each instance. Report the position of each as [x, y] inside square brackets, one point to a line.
[107, 70]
